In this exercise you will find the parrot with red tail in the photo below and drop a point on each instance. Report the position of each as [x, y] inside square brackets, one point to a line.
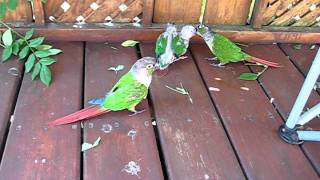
[225, 50]
[129, 91]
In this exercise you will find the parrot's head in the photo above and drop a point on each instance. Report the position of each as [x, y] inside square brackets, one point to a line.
[187, 32]
[171, 28]
[144, 67]
[202, 30]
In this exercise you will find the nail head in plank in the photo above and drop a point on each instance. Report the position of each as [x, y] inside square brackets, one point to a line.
[284, 84]
[192, 137]
[252, 123]
[124, 138]
[34, 150]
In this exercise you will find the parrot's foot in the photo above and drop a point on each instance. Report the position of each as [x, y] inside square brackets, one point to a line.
[135, 112]
[212, 59]
[180, 58]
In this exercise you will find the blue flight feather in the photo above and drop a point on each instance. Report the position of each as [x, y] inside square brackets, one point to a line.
[96, 101]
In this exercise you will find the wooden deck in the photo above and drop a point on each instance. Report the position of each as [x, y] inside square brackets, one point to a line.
[229, 133]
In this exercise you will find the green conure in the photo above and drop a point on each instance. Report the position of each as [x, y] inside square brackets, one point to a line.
[129, 91]
[171, 45]
[225, 50]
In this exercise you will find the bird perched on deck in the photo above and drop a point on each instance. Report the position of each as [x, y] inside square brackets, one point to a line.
[225, 50]
[171, 45]
[129, 91]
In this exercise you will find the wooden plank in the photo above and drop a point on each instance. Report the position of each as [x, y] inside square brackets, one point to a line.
[258, 13]
[124, 138]
[303, 57]
[10, 73]
[252, 123]
[285, 90]
[218, 12]
[148, 6]
[34, 150]
[192, 137]
[232, 12]
[179, 11]
[38, 12]
[309, 19]
[23, 13]
[100, 33]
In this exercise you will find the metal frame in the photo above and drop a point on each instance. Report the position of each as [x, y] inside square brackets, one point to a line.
[290, 131]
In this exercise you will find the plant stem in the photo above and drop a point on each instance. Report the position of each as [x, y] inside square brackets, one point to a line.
[2, 45]
[264, 69]
[22, 37]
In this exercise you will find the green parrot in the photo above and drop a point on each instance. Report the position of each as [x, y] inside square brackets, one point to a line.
[171, 45]
[225, 50]
[129, 91]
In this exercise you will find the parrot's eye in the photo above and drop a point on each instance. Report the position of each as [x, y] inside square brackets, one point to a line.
[149, 66]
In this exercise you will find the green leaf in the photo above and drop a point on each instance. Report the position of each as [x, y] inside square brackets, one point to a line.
[47, 61]
[12, 4]
[3, 9]
[29, 34]
[7, 38]
[15, 48]
[42, 54]
[129, 43]
[86, 146]
[36, 42]
[44, 1]
[54, 51]
[24, 52]
[6, 54]
[248, 76]
[45, 75]
[36, 71]
[30, 62]
[43, 47]
[297, 46]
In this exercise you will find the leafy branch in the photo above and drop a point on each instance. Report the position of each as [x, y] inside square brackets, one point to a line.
[36, 53]
[253, 76]
[181, 90]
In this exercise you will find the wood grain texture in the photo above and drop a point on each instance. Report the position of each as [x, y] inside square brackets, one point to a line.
[252, 123]
[258, 13]
[9, 85]
[285, 89]
[148, 7]
[117, 147]
[217, 12]
[34, 150]
[38, 12]
[23, 13]
[101, 33]
[192, 138]
[303, 57]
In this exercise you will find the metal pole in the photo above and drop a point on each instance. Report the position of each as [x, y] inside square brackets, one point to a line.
[305, 92]
[309, 115]
[309, 135]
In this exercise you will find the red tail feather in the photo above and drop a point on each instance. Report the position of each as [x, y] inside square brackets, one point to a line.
[262, 61]
[88, 112]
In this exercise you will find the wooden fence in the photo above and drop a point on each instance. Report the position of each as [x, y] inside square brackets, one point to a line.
[304, 13]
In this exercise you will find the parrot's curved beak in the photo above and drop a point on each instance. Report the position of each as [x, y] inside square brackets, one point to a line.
[156, 66]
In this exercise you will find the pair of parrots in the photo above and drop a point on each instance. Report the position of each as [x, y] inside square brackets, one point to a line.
[171, 45]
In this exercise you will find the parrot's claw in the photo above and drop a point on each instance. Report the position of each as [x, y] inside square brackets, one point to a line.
[180, 58]
[212, 59]
[217, 65]
[135, 112]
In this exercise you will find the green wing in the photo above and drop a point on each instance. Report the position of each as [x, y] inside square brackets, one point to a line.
[161, 45]
[226, 51]
[126, 93]
[178, 46]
